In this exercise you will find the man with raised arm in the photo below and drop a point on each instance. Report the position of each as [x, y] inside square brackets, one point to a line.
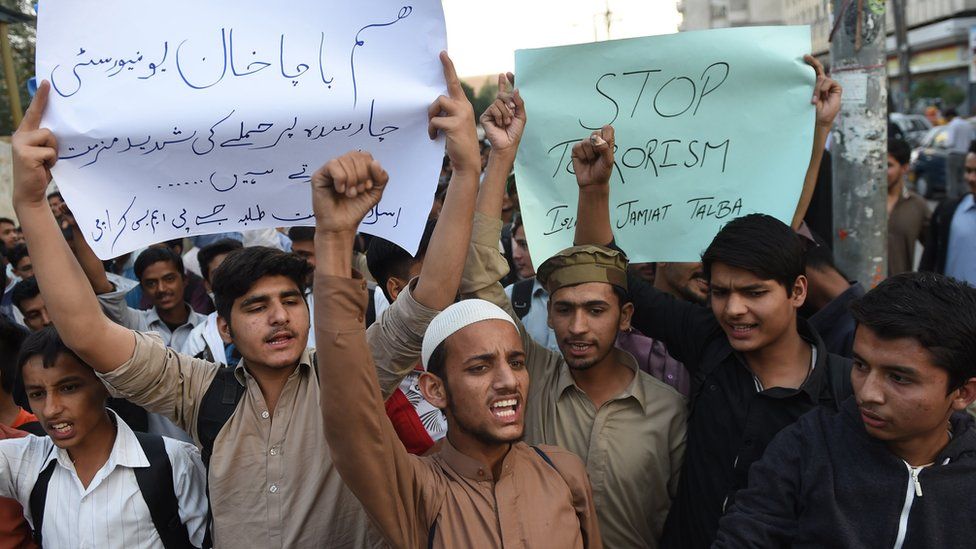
[271, 476]
[484, 488]
[757, 365]
[589, 397]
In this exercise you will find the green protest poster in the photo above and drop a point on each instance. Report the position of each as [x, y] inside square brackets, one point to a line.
[710, 126]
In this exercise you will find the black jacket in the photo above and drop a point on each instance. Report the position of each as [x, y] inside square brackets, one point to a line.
[825, 483]
[731, 422]
[937, 242]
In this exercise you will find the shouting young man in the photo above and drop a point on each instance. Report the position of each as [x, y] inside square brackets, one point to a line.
[756, 365]
[271, 477]
[484, 488]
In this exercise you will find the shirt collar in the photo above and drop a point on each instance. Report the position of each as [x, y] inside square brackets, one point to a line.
[305, 364]
[968, 203]
[537, 289]
[815, 382]
[126, 450]
[195, 318]
[466, 466]
[634, 389]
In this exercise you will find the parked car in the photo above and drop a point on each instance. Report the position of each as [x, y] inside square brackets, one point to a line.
[929, 162]
[913, 126]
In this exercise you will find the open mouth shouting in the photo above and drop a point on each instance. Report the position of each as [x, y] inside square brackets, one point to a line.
[280, 339]
[579, 348]
[506, 410]
[60, 430]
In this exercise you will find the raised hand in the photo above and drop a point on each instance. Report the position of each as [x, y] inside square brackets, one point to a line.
[504, 119]
[593, 159]
[826, 94]
[344, 190]
[453, 115]
[35, 150]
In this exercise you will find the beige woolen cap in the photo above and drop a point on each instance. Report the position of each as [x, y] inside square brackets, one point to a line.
[459, 315]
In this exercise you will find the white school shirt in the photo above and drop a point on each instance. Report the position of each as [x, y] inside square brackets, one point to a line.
[111, 512]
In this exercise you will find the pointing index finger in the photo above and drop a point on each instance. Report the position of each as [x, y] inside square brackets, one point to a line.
[32, 118]
[451, 78]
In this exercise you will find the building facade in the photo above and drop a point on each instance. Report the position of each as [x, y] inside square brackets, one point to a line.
[938, 39]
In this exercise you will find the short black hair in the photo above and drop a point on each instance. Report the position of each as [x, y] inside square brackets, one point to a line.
[55, 194]
[820, 256]
[516, 223]
[12, 338]
[937, 311]
[24, 290]
[951, 112]
[900, 151]
[155, 254]
[760, 244]
[301, 234]
[210, 251]
[437, 363]
[16, 254]
[242, 268]
[45, 343]
[7, 220]
[385, 259]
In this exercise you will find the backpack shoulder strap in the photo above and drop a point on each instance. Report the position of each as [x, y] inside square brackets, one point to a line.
[545, 458]
[156, 484]
[38, 497]
[522, 296]
[216, 407]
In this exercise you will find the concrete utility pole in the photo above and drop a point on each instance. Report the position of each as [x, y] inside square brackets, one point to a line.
[860, 140]
[904, 55]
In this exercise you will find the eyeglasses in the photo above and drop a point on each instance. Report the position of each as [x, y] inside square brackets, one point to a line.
[970, 170]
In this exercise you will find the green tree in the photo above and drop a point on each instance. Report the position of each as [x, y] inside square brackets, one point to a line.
[468, 91]
[936, 88]
[484, 99]
[23, 37]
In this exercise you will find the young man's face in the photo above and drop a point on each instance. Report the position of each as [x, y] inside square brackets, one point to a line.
[970, 172]
[487, 383]
[67, 398]
[586, 319]
[8, 234]
[35, 313]
[55, 202]
[164, 284]
[903, 396]
[684, 280]
[306, 249]
[753, 312]
[24, 268]
[520, 254]
[895, 171]
[212, 268]
[269, 324]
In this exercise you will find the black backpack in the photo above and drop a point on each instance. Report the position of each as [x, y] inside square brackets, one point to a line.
[219, 403]
[155, 483]
[522, 296]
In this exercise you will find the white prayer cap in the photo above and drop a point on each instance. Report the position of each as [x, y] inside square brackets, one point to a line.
[459, 315]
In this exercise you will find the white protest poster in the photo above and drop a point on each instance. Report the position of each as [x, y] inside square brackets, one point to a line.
[192, 117]
[710, 126]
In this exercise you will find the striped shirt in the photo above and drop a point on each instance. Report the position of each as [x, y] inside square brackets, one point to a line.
[111, 511]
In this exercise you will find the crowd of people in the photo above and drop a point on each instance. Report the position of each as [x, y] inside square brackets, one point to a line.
[317, 387]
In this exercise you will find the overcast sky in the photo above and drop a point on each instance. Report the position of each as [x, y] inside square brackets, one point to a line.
[483, 36]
